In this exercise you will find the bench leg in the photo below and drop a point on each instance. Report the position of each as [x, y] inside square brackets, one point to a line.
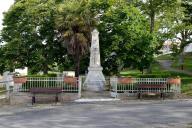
[139, 95]
[33, 99]
[162, 96]
[56, 98]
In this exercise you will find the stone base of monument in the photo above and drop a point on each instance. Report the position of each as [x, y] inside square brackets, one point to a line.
[95, 80]
[95, 95]
[95, 87]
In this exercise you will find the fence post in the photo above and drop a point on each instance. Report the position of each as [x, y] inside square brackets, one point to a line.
[8, 78]
[179, 91]
[79, 87]
[116, 79]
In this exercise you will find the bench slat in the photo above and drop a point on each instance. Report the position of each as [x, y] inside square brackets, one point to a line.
[46, 90]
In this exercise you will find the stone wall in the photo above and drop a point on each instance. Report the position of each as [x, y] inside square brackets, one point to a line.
[17, 98]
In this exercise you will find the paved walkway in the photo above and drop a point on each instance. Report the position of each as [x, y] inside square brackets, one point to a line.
[116, 114]
[166, 64]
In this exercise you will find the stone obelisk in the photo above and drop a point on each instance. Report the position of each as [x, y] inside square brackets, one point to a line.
[95, 79]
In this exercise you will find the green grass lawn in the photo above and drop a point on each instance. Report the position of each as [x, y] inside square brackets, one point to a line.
[187, 61]
[186, 86]
[157, 71]
[165, 57]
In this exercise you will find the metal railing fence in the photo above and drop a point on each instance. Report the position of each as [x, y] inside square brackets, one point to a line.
[49, 82]
[132, 86]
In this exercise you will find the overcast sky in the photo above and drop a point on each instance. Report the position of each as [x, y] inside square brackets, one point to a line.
[4, 6]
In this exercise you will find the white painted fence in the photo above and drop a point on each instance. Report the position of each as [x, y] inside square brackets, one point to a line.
[131, 87]
[49, 82]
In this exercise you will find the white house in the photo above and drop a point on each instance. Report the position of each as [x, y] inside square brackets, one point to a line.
[22, 71]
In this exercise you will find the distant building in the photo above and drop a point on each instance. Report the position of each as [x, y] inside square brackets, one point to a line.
[69, 73]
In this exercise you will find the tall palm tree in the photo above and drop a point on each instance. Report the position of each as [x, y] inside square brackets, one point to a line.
[74, 23]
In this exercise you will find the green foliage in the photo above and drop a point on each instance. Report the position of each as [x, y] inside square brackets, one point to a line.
[125, 39]
[29, 35]
[165, 57]
[2, 60]
[179, 25]
[155, 8]
[45, 75]
[157, 75]
[158, 14]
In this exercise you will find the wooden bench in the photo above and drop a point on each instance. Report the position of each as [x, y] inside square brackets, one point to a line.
[148, 88]
[55, 91]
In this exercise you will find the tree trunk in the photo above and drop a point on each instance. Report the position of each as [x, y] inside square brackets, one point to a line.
[77, 66]
[77, 60]
[152, 21]
[45, 69]
[182, 47]
[181, 60]
[149, 69]
[152, 24]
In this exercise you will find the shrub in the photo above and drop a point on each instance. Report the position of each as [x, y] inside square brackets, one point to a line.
[47, 75]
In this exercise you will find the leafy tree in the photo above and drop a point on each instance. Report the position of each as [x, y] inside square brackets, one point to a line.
[74, 23]
[29, 35]
[154, 10]
[183, 29]
[179, 28]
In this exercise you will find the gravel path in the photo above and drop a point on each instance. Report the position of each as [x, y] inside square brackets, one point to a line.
[116, 114]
